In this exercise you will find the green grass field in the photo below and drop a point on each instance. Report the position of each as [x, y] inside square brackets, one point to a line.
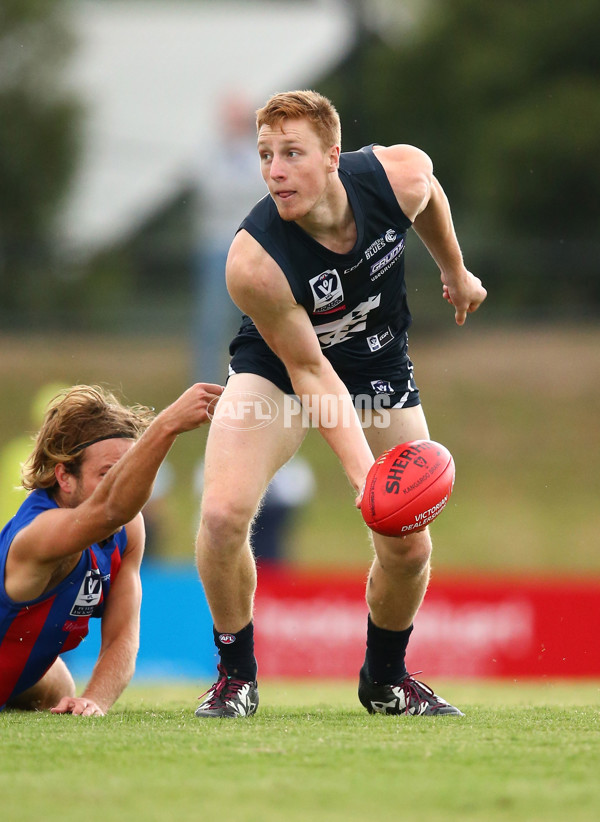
[519, 410]
[524, 752]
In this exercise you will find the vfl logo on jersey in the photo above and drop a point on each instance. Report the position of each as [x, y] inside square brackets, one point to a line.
[382, 387]
[377, 341]
[327, 292]
[89, 594]
[339, 330]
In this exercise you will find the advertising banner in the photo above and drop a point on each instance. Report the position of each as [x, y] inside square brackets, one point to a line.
[313, 623]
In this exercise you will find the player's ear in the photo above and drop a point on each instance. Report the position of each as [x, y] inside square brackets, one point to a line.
[64, 478]
[334, 158]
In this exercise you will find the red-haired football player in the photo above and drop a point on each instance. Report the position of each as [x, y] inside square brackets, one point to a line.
[317, 267]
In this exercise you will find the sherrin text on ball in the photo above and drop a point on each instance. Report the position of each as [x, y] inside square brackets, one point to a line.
[407, 487]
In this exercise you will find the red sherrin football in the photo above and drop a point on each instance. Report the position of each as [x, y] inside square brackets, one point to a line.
[407, 487]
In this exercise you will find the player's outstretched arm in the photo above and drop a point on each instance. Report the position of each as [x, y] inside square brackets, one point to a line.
[124, 490]
[131, 479]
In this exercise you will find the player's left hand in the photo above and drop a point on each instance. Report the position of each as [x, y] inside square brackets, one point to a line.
[78, 706]
[466, 295]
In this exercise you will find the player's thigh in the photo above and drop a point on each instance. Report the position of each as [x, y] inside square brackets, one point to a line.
[252, 435]
[391, 426]
[48, 691]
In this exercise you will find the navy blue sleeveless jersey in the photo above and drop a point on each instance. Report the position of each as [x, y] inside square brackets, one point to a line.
[356, 301]
[34, 633]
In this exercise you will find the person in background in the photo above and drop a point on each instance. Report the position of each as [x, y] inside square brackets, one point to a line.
[291, 488]
[227, 187]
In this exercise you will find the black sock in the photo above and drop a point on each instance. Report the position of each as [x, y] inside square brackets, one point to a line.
[385, 653]
[237, 652]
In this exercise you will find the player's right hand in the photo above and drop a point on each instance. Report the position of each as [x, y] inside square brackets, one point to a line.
[194, 407]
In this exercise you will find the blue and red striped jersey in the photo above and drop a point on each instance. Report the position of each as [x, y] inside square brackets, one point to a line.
[34, 633]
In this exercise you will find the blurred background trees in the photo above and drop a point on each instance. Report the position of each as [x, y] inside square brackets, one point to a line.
[39, 141]
[505, 97]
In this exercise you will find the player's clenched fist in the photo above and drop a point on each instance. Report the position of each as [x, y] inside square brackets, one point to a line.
[193, 408]
[465, 293]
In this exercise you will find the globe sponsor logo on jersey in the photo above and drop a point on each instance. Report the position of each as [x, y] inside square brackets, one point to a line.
[327, 291]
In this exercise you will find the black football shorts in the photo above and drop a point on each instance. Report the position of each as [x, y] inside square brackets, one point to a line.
[387, 375]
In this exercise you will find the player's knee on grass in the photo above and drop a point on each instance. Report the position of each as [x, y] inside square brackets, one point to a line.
[56, 683]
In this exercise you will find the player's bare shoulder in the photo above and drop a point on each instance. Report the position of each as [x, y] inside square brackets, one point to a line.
[410, 171]
[254, 279]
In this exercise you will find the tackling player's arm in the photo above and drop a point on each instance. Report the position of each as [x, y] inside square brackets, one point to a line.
[39, 549]
[259, 288]
[120, 634]
[422, 199]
